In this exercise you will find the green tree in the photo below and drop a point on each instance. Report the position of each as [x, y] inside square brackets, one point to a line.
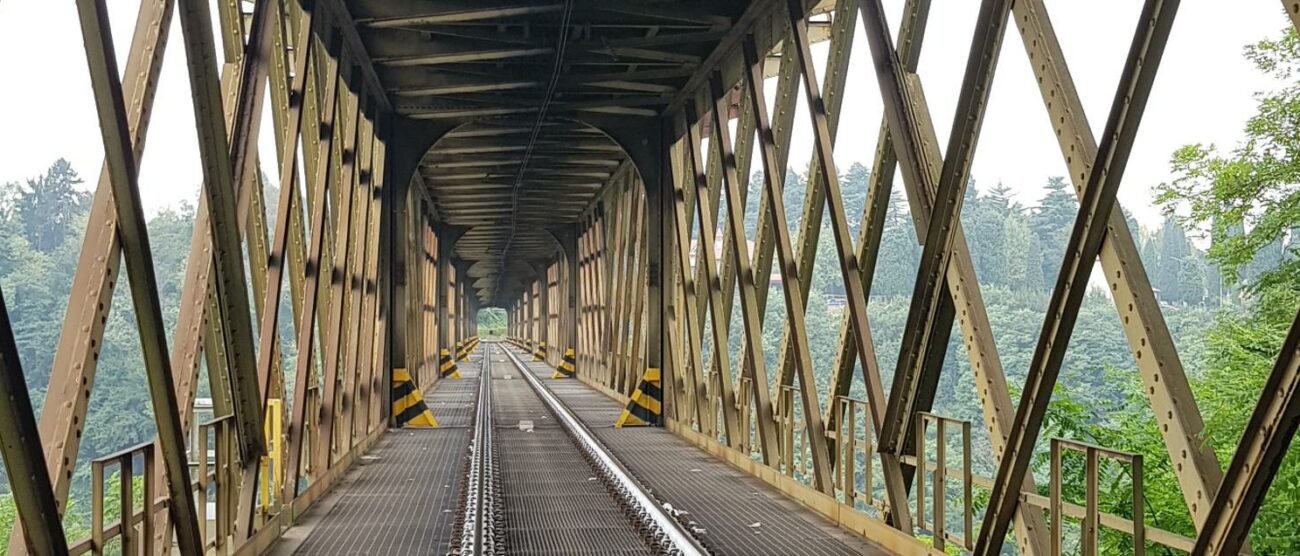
[1052, 222]
[56, 198]
[1247, 198]
[1248, 202]
[1168, 271]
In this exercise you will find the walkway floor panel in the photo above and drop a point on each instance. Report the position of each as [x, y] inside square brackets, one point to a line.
[402, 499]
[553, 502]
[740, 514]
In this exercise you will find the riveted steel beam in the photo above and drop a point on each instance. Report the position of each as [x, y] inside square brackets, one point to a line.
[916, 147]
[810, 226]
[823, 151]
[355, 137]
[694, 334]
[1155, 354]
[816, 431]
[134, 238]
[326, 64]
[222, 192]
[1081, 253]
[20, 445]
[708, 262]
[76, 359]
[929, 316]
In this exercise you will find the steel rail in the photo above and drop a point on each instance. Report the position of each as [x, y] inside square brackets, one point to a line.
[478, 530]
[658, 525]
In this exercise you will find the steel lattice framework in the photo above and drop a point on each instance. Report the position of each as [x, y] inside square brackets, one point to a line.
[551, 158]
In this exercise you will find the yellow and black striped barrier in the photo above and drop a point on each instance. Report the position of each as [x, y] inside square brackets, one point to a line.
[646, 403]
[568, 366]
[409, 409]
[447, 366]
[460, 350]
[540, 354]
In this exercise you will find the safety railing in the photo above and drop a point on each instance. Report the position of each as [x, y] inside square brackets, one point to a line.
[1091, 515]
[940, 472]
[312, 432]
[943, 480]
[132, 531]
[743, 403]
[216, 480]
[794, 458]
[854, 438]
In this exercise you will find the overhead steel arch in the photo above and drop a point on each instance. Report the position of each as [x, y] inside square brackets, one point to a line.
[508, 187]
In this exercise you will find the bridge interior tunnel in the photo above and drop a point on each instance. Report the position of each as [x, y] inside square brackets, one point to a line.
[572, 162]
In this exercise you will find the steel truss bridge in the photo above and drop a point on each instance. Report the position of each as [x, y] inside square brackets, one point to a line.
[549, 157]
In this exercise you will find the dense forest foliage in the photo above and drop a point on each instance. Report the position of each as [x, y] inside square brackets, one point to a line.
[1224, 263]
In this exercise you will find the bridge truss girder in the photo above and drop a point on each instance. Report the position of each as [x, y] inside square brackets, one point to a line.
[411, 245]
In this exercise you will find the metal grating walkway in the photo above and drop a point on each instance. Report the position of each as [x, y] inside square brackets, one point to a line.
[740, 514]
[402, 497]
[553, 502]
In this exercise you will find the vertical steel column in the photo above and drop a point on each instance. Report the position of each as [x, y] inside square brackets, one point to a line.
[462, 303]
[543, 310]
[447, 237]
[570, 288]
[657, 194]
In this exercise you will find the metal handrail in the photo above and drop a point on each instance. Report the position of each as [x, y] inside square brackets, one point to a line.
[940, 470]
[133, 540]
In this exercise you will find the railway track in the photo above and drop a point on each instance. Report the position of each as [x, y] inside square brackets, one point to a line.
[482, 519]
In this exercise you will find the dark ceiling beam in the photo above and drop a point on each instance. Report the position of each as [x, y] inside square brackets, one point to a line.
[463, 56]
[443, 189]
[530, 105]
[342, 19]
[622, 111]
[414, 13]
[636, 86]
[585, 144]
[667, 39]
[679, 12]
[468, 113]
[542, 160]
[399, 78]
[401, 13]
[647, 54]
[442, 192]
[467, 87]
[409, 13]
[439, 178]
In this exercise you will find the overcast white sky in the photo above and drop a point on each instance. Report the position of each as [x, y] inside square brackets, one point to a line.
[1203, 93]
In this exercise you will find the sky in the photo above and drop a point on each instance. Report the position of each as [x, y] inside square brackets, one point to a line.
[1203, 93]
